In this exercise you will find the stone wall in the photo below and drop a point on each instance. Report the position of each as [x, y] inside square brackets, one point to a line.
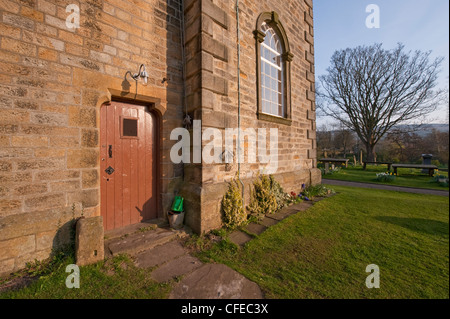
[53, 81]
[212, 97]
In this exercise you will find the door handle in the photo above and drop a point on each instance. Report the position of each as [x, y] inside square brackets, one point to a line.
[110, 151]
[109, 170]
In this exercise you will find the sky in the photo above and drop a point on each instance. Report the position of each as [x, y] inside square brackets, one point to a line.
[418, 24]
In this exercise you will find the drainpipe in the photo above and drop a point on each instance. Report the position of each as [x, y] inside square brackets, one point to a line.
[187, 119]
[239, 100]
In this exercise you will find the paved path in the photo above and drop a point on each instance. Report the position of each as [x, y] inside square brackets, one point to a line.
[160, 250]
[199, 281]
[387, 187]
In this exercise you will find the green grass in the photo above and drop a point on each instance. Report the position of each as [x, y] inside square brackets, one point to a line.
[406, 177]
[115, 278]
[323, 252]
[320, 253]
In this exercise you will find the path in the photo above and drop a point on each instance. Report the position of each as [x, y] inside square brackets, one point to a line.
[387, 187]
[155, 246]
[158, 248]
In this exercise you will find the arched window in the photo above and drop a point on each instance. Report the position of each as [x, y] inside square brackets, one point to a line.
[272, 93]
[273, 69]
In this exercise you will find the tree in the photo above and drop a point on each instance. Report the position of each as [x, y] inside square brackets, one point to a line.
[438, 144]
[343, 139]
[324, 139]
[370, 90]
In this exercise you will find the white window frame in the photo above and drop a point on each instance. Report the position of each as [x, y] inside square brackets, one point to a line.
[269, 77]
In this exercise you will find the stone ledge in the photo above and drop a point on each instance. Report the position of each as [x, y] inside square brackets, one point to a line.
[274, 119]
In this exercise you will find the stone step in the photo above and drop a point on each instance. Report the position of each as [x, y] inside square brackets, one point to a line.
[175, 268]
[215, 281]
[137, 242]
[159, 255]
[140, 227]
[171, 260]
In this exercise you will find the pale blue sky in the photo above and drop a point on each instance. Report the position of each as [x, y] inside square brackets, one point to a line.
[418, 24]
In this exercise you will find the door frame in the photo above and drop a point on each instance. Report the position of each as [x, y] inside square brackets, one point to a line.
[152, 108]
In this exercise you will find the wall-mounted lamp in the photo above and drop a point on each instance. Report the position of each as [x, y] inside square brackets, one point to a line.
[141, 76]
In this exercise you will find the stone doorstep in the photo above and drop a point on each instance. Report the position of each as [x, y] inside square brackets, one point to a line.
[140, 241]
[130, 229]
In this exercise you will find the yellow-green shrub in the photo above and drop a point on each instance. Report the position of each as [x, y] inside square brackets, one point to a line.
[233, 214]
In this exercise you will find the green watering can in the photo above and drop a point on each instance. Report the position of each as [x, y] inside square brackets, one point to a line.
[177, 205]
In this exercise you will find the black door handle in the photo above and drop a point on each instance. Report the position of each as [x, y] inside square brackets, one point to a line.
[109, 171]
[110, 151]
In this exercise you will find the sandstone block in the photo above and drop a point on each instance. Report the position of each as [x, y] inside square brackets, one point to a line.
[89, 138]
[6, 266]
[45, 201]
[89, 241]
[82, 158]
[88, 198]
[90, 178]
[82, 116]
[9, 206]
[16, 247]
[316, 176]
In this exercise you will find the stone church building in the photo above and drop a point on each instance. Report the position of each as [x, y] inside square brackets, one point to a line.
[92, 91]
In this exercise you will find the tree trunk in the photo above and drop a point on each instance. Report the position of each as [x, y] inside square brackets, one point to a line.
[370, 153]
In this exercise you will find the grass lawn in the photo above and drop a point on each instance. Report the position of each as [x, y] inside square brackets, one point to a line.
[116, 278]
[320, 253]
[324, 252]
[406, 177]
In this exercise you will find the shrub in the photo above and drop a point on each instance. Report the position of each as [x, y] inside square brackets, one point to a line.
[263, 200]
[442, 180]
[317, 191]
[436, 162]
[331, 171]
[281, 196]
[267, 197]
[385, 177]
[232, 206]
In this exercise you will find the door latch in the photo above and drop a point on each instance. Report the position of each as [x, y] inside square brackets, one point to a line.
[109, 170]
[110, 151]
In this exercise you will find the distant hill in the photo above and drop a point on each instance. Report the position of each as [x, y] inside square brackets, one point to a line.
[426, 129]
[421, 130]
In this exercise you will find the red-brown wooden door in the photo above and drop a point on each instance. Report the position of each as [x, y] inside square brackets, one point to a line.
[128, 166]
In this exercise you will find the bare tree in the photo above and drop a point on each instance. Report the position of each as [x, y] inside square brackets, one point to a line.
[370, 90]
[324, 139]
[344, 139]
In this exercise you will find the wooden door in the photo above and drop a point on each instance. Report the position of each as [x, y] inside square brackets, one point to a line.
[128, 164]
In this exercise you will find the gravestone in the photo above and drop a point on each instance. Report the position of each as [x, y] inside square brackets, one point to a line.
[327, 168]
[426, 160]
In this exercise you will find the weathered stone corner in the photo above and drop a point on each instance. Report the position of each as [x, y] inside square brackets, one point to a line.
[89, 241]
